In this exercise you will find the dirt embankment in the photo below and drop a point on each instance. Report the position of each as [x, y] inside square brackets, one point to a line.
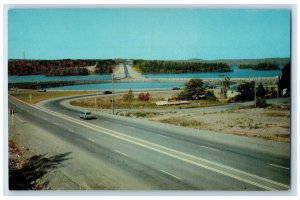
[272, 123]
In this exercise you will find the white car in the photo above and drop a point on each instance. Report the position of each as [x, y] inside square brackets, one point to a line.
[86, 115]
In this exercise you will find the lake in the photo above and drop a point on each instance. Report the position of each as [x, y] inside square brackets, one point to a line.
[237, 73]
[122, 86]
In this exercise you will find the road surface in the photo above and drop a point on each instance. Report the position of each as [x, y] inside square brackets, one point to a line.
[164, 156]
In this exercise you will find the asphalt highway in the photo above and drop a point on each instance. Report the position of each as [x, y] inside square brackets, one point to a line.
[165, 157]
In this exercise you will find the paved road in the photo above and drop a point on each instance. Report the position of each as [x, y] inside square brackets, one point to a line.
[126, 71]
[168, 157]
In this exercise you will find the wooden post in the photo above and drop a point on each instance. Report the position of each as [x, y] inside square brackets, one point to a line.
[113, 95]
[254, 95]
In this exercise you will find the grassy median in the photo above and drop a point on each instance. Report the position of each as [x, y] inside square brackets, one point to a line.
[105, 102]
[40, 96]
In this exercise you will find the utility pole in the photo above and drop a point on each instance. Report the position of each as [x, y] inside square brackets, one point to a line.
[222, 93]
[254, 95]
[278, 78]
[24, 55]
[113, 94]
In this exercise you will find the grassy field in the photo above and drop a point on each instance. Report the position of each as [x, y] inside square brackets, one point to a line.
[40, 96]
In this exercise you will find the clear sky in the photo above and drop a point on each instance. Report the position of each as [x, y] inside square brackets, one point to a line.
[148, 33]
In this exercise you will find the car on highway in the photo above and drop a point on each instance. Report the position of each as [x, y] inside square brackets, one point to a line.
[42, 90]
[86, 115]
[107, 92]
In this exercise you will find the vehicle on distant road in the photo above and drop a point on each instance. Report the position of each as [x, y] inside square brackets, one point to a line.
[86, 115]
[42, 90]
[176, 88]
[107, 92]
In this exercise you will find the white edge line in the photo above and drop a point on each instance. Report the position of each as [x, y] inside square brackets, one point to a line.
[121, 152]
[91, 139]
[170, 174]
[278, 166]
[14, 115]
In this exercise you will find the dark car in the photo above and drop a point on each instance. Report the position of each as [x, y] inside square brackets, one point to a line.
[176, 88]
[42, 90]
[107, 92]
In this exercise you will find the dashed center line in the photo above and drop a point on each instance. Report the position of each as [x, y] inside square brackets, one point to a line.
[162, 136]
[278, 166]
[121, 152]
[70, 130]
[210, 148]
[91, 139]
[171, 174]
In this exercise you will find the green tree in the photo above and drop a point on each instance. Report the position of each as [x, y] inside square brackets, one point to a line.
[285, 80]
[128, 96]
[210, 96]
[193, 90]
[261, 91]
[226, 85]
[246, 91]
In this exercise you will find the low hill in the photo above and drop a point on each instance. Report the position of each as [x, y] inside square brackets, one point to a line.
[231, 62]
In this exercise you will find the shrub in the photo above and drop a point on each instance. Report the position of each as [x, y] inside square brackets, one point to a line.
[193, 90]
[128, 96]
[261, 102]
[261, 91]
[144, 96]
[246, 91]
[210, 96]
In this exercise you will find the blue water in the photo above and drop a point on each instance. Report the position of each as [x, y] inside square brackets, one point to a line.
[237, 73]
[121, 86]
[42, 78]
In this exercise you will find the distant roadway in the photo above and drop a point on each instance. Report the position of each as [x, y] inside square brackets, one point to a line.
[166, 156]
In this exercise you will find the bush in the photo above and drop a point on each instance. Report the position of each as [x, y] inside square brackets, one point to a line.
[193, 90]
[210, 96]
[144, 96]
[261, 91]
[285, 80]
[261, 103]
[246, 91]
[128, 96]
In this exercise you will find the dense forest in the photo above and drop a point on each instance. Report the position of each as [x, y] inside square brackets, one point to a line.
[157, 66]
[261, 66]
[66, 67]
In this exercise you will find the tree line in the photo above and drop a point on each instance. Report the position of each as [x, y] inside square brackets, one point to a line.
[261, 66]
[66, 67]
[169, 67]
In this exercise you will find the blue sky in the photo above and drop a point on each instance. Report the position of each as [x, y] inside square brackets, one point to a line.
[148, 33]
